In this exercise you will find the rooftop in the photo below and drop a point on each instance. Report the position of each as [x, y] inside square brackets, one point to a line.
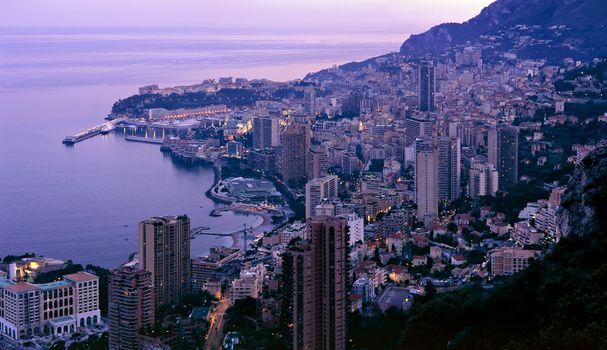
[5, 282]
[199, 312]
[53, 285]
[21, 287]
[394, 296]
[81, 277]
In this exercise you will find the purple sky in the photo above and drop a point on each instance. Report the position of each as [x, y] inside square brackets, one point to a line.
[302, 16]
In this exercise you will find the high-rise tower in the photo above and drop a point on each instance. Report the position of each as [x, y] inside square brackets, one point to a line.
[319, 283]
[164, 250]
[427, 86]
[502, 152]
[265, 132]
[426, 183]
[310, 101]
[449, 168]
[131, 306]
[295, 143]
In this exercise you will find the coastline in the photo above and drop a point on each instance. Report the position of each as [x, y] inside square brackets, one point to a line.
[231, 205]
[237, 236]
[217, 178]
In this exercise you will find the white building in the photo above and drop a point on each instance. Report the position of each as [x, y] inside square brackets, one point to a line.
[356, 228]
[483, 180]
[524, 234]
[325, 209]
[249, 283]
[318, 190]
[365, 288]
[55, 308]
[297, 229]
[530, 211]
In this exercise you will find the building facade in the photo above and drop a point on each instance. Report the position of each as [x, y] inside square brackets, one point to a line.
[56, 308]
[426, 187]
[483, 180]
[249, 284]
[502, 152]
[131, 306]
[266, 131]
[449, 168]
[319, 286]
[317, 163]
[318, 190]
[207, 267]
[427, 86]
[164, 250]
[295, 143]
[508, 261]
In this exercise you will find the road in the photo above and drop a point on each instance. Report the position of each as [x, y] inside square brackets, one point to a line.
[215, 335]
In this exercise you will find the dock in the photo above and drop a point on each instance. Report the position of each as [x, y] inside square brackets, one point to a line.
[94, 131]
[143, 139]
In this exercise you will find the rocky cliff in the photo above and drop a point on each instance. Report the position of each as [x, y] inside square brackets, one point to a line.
[584, 205]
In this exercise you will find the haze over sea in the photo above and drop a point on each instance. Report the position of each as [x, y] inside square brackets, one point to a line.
[75, 203]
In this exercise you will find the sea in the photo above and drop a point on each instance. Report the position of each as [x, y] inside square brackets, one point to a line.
[83, 203]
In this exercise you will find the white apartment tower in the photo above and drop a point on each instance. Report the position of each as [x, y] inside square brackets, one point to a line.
[318, 190]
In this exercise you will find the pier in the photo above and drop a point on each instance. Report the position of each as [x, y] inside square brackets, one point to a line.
[94, 131]
[143, 139]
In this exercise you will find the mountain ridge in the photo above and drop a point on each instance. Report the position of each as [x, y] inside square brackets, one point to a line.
[583, 21]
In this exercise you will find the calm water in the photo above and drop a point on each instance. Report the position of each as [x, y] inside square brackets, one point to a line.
[74, 203]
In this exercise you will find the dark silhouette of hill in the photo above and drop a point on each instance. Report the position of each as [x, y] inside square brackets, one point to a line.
[584, 36]
[559, 302]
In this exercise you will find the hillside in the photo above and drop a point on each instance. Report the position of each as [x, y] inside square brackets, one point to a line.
[559, 302]
[557, 28]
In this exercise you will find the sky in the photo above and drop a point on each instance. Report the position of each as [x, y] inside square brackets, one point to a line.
[301, 16]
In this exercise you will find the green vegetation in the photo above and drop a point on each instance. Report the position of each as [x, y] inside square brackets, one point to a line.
[558, 303]
[134, 105]
[12, 258]
[585, 110]
[92, 343]
[242, 318]
[566, 135]
[512, 202]
[376, 330]
[57, 275]
[188, 302]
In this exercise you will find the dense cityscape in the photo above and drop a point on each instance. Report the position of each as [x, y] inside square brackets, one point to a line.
[399, 199]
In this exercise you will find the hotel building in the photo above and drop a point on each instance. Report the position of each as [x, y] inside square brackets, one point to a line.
[56, 308]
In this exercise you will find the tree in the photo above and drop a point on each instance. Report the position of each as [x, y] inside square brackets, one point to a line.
[452, 227]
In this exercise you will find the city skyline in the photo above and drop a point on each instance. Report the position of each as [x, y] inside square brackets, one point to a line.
[171, 179]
